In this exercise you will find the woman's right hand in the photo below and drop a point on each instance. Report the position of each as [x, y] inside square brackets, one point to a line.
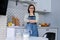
[31, 21]
[28, 20]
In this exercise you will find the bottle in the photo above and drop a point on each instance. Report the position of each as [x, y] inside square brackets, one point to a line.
[9, 24]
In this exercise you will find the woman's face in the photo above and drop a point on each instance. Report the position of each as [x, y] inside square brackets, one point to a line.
[31, 9]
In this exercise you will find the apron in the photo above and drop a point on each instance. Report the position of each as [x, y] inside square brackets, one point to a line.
[32, 27]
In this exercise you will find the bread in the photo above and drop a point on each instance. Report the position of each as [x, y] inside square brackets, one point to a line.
[15, 21]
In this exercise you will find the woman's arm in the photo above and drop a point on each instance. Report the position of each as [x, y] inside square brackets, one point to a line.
[37, 18]
[26, 18]
[32, 21]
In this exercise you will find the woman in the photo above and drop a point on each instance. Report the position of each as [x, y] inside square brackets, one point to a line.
[31, 18]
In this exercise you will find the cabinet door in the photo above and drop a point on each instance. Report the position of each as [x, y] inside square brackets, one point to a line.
[43, 5]
[47, 5]
[3, 32]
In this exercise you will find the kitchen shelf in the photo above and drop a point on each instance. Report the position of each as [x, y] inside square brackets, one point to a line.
[28, 2]
[41, 11]
[47, 28]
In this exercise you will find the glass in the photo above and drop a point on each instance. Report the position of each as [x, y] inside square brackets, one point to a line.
[26, 35]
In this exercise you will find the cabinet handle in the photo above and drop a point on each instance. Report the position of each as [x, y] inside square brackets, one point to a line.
[32, 0]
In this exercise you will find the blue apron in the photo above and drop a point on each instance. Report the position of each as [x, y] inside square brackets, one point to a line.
[32, 27]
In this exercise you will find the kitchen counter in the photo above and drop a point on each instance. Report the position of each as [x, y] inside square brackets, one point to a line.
[19, 35]
[22, 27]
[30, 38]
[38, 38]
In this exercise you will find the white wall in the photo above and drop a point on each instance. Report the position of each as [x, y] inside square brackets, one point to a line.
[56, 14]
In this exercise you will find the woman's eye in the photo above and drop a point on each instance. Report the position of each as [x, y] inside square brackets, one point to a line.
[31, 8]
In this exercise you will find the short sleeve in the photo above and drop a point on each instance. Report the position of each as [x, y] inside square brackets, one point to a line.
[37, 17]
[25, 18]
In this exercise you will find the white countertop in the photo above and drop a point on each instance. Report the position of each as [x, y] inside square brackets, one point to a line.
[22, 27]
[38, 38]
[30, 38]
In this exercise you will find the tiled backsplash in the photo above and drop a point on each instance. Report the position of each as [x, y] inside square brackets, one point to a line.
[17, 11]
[20, 10]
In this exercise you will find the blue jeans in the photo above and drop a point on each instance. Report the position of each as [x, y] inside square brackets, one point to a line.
[32, 28]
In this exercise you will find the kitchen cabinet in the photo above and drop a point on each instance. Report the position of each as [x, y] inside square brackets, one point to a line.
[19, 32]
[27, 1]
[10, 34]
[19, 35]
[3, 23]
[43, 5]
[3, 32]
[42, 31]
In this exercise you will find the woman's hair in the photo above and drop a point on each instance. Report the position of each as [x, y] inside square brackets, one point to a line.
[30, 6]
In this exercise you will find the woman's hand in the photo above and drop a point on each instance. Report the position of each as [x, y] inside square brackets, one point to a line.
[32, 21]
